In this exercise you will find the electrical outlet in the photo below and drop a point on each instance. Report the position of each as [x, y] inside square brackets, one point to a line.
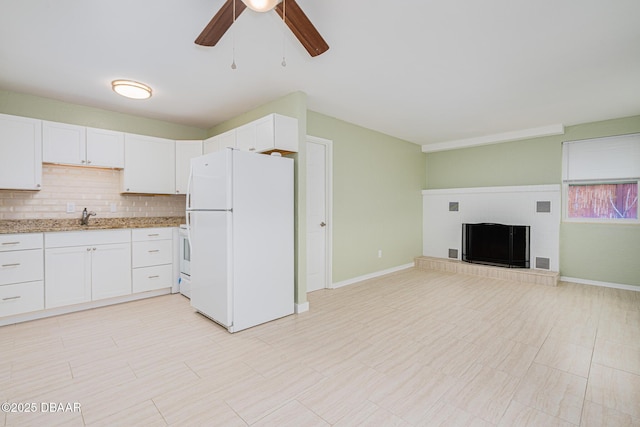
[71, 207]
[379, 253]
[113, 207]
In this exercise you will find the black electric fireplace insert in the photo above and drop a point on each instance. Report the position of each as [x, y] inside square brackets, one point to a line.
[496, 244]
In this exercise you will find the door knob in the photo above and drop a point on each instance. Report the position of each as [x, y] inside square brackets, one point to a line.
[322, 224]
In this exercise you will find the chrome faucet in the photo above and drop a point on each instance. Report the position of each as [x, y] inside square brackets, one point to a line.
[85, 216]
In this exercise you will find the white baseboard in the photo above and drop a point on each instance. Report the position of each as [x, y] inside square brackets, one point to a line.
[301, 308]
[597, 283]
[19, 318]
[370, 276]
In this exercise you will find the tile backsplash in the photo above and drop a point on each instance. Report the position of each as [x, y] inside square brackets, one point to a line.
[91, 188]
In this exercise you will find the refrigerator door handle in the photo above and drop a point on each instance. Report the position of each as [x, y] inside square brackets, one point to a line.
[188, 215]
[188, 199]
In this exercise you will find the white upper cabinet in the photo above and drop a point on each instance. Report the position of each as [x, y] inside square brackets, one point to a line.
[185, 151]
[274, 132]
[218, 142]
[149, 165]
[246, 137]
[20, 153]
[63, 143]
[105, 148]
[77, 145]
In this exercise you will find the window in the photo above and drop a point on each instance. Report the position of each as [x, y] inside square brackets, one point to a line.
[600, 179]
[603, 201]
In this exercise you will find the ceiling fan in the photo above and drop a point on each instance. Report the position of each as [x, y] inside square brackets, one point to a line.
[288, 10]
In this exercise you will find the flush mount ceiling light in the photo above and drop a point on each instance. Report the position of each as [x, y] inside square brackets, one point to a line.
[131, 89]
[261, 5]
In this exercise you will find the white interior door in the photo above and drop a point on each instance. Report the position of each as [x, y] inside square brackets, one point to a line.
[318, 214]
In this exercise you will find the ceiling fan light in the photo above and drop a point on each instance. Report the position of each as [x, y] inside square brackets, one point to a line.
[261, 5]
[131, 89]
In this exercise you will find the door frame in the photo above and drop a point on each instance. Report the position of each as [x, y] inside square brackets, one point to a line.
[328, 144]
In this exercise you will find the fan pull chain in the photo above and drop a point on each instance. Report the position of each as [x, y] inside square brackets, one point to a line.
[233, 58]
[284, 21]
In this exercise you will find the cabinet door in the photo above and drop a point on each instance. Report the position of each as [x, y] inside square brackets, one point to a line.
[63, 143]
[110, 270]
[210, 145]
[185, 151]
[278, 133]
[264, 129]
[149, 165]
[246, 137]
[105, 148]
[20, 153]
[67, 274]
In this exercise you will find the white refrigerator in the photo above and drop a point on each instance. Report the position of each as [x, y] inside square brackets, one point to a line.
[240, 222]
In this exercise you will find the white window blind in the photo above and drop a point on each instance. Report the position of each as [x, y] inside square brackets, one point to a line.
[610, 158]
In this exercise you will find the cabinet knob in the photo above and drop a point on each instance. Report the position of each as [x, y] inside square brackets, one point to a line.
[38, 185]
[88, 249]
[82, 161]
[94, 249]
[89, 161]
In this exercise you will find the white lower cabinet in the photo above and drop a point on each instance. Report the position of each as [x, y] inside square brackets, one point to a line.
[21, 298]
[21, 274]
[152, 278]
[68, 273]
[83, 266]
[54, 270]
[152, 259]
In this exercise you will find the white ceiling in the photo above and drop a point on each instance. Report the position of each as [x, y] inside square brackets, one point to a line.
[425, 71]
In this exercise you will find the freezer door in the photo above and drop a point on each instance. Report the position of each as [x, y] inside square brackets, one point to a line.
[210, 186]
[211, 276]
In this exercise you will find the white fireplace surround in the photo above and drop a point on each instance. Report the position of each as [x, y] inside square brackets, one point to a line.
[514, 205]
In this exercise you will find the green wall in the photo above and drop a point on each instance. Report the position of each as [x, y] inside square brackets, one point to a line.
[596, 252]
[36, 107]
[377, 201]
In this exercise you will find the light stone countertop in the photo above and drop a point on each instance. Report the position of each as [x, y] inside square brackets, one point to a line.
[46, 225]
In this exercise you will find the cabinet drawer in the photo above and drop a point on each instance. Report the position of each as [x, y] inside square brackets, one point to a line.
[21, 266]
[149, 234]
[151, 278]
[18, 242]
[21, 298]
[146, 254]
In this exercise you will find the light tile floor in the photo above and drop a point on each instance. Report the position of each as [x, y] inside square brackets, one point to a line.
[421, 348]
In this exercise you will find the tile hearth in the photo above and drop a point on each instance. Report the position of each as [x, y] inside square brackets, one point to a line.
[524, 275]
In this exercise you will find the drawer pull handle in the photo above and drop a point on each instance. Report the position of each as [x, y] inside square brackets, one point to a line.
[154, 250]
[153, 235]
[154, 277]
[10, 243]
[11, 298]
[11, 265]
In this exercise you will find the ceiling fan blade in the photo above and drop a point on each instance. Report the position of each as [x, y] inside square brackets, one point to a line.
[220, 23]
[302, 28]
